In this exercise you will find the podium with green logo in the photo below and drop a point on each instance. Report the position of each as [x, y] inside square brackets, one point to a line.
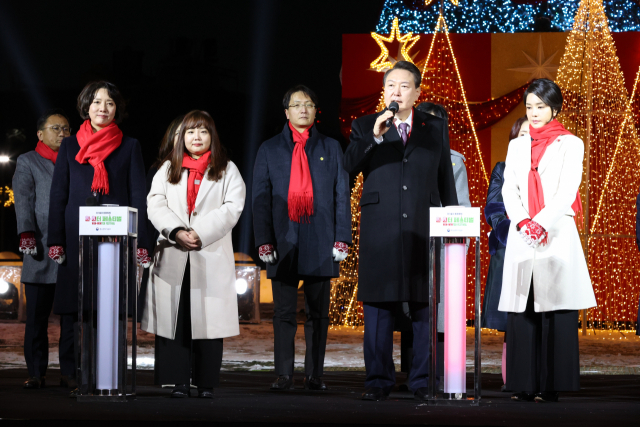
[110, 234]
[454, 224]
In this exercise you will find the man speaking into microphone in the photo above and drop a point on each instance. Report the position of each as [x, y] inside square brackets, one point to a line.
[407, 168]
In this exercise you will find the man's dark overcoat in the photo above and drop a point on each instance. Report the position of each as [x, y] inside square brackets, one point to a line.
[400, 185]
[70, 189]
[303, 248]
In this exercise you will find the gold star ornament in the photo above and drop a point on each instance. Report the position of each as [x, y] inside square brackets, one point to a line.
[454, 2]
[384, 62]
[540, 67]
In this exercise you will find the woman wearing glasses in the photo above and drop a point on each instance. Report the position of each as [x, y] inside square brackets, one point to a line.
[196, 199]
[545, 278]
[100, 165]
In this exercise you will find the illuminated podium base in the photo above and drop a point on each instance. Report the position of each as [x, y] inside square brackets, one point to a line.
[103, 318]
[454, 225]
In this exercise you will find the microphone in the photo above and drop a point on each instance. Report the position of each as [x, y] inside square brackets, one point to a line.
[394, 107]
[91, 201]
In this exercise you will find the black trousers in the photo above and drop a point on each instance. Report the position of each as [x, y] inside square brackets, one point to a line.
[543, 350]
[316, 305]
[36, 339]
[184, 360]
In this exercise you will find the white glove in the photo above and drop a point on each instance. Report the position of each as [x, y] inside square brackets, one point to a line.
[340, 251]
[268, 254]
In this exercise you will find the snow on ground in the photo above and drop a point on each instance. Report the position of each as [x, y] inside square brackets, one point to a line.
[604, 352]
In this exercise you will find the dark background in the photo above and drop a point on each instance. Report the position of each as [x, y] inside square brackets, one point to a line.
[234, 59]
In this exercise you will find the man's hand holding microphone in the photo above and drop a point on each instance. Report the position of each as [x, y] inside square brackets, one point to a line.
[385, 120]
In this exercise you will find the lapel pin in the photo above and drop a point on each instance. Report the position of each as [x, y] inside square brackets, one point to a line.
[321, 158]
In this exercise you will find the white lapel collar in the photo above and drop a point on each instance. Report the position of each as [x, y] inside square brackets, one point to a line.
[549, 154]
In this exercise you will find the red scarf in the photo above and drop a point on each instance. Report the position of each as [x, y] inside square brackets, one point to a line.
[300, 198]
[45, 151]
[541, 138]
[196, 173]
[95, 148]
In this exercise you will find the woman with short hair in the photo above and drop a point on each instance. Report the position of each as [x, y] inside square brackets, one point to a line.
[99, 163]
[196, 199]
[545, 278]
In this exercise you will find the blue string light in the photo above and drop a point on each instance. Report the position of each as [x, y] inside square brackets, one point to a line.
[500, 16]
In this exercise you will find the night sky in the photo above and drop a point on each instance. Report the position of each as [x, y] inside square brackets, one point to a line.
[234, 59]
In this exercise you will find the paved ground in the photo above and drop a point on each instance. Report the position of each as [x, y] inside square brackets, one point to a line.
[604, 352]
[244, 399]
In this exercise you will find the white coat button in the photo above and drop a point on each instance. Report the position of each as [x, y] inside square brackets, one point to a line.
[404, 187]
[195, 213]
[404, 215]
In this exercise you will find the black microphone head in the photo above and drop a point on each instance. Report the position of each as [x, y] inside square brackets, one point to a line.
[394, 107]
[91, 201]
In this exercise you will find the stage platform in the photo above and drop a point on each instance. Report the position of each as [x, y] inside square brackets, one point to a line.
[244, 398]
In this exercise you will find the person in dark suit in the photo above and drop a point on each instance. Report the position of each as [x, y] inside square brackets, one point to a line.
[407, 169]
[31, 186]
[98, 162]
[496, 216]
[302, 225]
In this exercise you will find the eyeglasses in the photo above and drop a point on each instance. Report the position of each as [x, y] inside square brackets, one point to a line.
[58, 128]
[299, 106]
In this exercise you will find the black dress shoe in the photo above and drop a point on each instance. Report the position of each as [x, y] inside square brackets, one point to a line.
[284, 382]
[74, 393]
[546, 396]
[34, 382]
[205, 393]
[67, 382]
[180, 391]
[314, 383]
[374, 393]
[523, 397]
[421, 394]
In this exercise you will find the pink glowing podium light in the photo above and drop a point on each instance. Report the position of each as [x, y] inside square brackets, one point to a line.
[455, 321]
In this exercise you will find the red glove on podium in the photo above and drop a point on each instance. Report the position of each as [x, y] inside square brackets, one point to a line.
[143, 257]
[28, 243]
[268, 254]
[57, 254]
[340, 251]
[532, 233]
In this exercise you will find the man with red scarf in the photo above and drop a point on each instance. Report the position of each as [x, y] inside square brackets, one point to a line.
[302, 225]
[31, 185]
[406, 163]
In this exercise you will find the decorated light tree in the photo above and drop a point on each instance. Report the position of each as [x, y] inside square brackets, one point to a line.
[442, 84]
[597, 108]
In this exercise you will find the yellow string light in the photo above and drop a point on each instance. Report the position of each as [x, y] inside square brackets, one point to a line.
[598, 110]
[454, 2]
[9, 192]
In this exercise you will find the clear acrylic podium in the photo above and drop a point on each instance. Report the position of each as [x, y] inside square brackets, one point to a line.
[453, 224]
[103, 303]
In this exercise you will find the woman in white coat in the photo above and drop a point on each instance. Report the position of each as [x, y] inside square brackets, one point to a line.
[196, 198]
[545, 278]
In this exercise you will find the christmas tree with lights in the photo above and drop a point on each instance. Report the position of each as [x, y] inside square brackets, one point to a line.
[597, 109]
[442, 84]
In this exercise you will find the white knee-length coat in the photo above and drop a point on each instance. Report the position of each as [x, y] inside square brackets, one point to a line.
[561, 278]
[214, 303]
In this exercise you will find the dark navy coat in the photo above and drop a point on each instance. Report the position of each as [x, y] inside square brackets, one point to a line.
[496, 216]
[303, 248]
[70, 188]
[400, 185]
